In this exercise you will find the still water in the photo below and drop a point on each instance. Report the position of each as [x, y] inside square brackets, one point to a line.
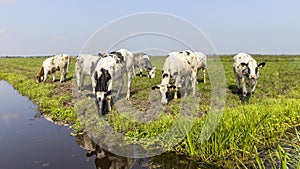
[29, 141]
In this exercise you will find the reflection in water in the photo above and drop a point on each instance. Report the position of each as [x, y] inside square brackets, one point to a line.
[103, 159]
[107, 160]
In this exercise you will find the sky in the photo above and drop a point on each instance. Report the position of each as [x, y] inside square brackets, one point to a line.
[47, 27]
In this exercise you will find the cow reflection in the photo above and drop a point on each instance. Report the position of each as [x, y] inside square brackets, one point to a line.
[104, 159]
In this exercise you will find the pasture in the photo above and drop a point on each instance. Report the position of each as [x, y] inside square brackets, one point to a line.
[263, 132]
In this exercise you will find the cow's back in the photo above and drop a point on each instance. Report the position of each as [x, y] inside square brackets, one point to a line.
[241, 57]
[136, 58]
[109, 63]
[176, 65]
[86, 63]
[128, 58]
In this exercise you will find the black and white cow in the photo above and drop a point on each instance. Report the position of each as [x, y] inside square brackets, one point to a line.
[52, 64]
[201, 65]
[85, 65]
[246, 70]
[109, 69]
[142, 61]
[179, 68]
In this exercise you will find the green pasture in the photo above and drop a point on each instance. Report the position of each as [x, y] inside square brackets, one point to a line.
[261, 133]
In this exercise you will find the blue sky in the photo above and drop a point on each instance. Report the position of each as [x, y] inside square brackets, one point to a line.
[44, 27]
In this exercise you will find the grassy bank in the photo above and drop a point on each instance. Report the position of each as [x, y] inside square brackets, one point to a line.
[54, 99]
[262, 132]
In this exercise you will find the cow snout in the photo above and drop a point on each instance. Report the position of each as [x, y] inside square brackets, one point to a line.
[252, 76]
[164, 102]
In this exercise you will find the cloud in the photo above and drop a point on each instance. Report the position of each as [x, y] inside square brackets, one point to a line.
[7, 118]
[2, 31]
[59, 38]
[8, 1]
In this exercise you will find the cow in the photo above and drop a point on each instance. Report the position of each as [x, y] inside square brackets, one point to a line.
[109, 69]
[201, 65]
[178, 69]
[85, 65]
[246, 69]
[52, 64]
[142, 61]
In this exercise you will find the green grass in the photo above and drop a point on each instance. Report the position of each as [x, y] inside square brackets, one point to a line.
[262, 132]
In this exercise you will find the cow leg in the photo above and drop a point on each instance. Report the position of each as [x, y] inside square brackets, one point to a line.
[93, 82]
[244, 87]
[194, 82]
[176, 92]
[253, 87]
[78, 81]
[129, 77]
[120, 83]
[45, 76]
[186, 85]
[238, 82]
[53, 76]
[133, 71]
[65, 73]
[141, 72]
[108, 98]
[204, 75]
[62, 75]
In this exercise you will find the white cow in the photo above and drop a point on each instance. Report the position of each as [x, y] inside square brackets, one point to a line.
[201, 64]
[142, 61]
[179, 68]
[246, 69]
[109, 69]
[85, 65]
[51, 65]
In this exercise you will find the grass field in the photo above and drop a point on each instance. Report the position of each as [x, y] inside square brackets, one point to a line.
[263, 132]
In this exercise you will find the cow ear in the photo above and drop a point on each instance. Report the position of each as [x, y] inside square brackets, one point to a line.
[244, 65]
[155, 87]
[262, 64]
[154, 68]
[96, 75]
[171, 86]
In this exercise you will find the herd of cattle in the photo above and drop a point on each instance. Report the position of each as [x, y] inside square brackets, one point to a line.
[179, 71]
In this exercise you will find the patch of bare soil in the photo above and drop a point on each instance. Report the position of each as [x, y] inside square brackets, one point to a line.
[64, 88]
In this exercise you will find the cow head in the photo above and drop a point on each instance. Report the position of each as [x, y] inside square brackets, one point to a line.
[118, 56]
[40, 76]
[151, 72]
[101, 89]
[164, 88]
[251, 69]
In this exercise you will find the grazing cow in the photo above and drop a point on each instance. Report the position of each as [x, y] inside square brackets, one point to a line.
[142, 61]
[201, 64]
[109, 69]
[246, 69]
[51, 65]
[85, 65]
[178, 69]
